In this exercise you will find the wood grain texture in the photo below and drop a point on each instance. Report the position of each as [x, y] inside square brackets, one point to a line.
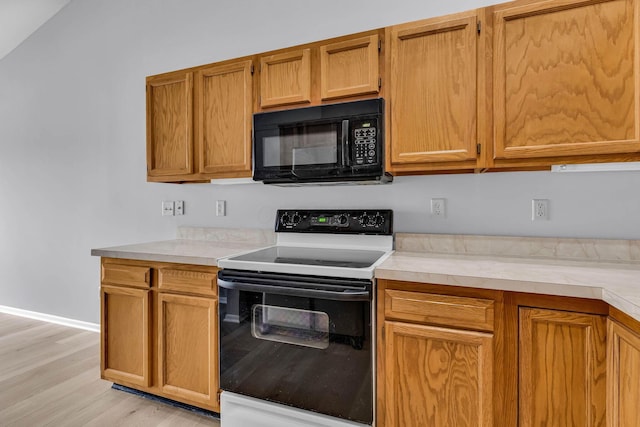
[285, 78]
[349, 68]
[50, 376]
[223, 98]
[443, 310]
[437, 377]
[433, 99]
[188, 279]
[623, 366]
[125, 333]
[128, 275]
[566, 79]
[188, 348]
[562, 368]
[170, 124]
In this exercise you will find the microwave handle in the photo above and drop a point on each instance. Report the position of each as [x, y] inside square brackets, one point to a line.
[346, 153]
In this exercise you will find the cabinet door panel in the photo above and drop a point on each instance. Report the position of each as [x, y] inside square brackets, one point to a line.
[224, 110]
[125, 335]
[285, 78]
[187, 346]
[169, 125]
[437, 377]
[349, 68]
[624, 376]
[434, 91]
[566, 79]
[562, 368]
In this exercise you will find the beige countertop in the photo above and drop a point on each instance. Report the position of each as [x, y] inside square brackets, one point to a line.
[182, 251]
[608, 276]
[598, 269]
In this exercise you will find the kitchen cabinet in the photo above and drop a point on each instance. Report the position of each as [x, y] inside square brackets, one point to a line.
[623, 366]
[323, 71]
[562, 364]
[436, 364]
[566, 82]
[170, 125]
[437, 101]
[159, 329]
[199, 123]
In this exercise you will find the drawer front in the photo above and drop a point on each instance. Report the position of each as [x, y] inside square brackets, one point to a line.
[128, 275]
[186, 280]
[444, 310]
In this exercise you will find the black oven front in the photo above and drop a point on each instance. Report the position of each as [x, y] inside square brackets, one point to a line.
[302, 341]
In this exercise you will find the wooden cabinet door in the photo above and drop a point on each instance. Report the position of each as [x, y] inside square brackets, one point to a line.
[125, 335]
[566, 79]
[623, 376]
[170, 125]
[285, 78]
[562, 369]
[434, 93]
[223, 98]
[349, 68]
[437, 377]
[188, 348]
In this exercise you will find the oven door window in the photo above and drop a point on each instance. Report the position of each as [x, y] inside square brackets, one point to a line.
[305, 328]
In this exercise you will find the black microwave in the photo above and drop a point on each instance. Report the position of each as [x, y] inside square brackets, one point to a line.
[333, 143]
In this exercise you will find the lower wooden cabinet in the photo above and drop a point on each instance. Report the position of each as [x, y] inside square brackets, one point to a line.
[562, 365]
[160, 329]
[187, 347]
[623, 360]
[437, 376]
[125, 330]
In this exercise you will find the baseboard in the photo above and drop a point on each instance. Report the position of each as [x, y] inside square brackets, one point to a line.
[79, 324]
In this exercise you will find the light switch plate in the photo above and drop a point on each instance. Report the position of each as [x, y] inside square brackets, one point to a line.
[178, 207]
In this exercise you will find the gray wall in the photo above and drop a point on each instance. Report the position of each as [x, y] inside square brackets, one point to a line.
[72, 145]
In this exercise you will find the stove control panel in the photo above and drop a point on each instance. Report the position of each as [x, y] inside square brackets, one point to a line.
[333, 221]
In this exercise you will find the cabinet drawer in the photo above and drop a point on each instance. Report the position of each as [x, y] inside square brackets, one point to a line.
[444, 310]
[129, 275]
[186, 280]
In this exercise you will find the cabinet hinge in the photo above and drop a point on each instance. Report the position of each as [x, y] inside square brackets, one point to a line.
[479, 26]
[379, 82]
[251, 69]
[478, 148]
[379, 45]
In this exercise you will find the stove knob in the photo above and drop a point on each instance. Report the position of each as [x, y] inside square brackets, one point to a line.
[343, 219]
[285, 219]
[296, 218]
[364, 220]
[379, 220]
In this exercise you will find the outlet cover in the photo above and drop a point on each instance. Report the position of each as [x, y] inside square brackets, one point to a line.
[167, 208]
[439, 208]
[539, 209]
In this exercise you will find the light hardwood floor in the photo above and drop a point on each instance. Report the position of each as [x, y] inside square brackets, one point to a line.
[50, 376]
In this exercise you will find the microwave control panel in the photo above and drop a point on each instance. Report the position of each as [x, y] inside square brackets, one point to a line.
[365, 143]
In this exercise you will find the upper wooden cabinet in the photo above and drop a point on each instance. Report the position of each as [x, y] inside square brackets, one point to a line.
[436, 101]
[321, 72]
[169, 125]
[214, 103]
[566, 81]
[349, 67]
[223, 101]
[285, 78]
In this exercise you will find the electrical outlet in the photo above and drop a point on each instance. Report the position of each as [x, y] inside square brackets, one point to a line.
[539, 209]
[438, 208]
[178, 207]
[167, 208]
[221, 208]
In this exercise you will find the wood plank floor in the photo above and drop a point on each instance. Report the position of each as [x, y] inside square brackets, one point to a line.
[50, 376]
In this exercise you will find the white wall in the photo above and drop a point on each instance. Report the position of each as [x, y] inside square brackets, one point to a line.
[72, 145]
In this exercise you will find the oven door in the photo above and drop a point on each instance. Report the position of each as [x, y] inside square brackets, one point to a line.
[298, 340]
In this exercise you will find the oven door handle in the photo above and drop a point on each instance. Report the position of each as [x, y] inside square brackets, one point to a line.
[346, 295]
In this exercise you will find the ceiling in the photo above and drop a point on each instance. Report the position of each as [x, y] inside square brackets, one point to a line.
[21, 18]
